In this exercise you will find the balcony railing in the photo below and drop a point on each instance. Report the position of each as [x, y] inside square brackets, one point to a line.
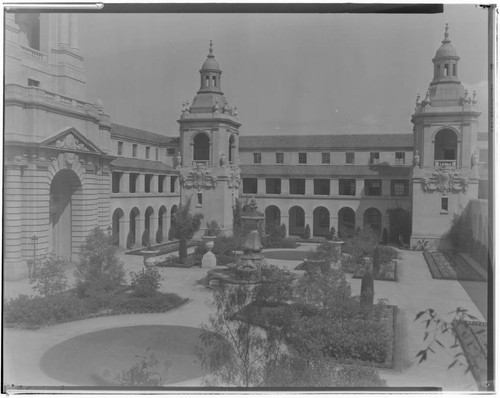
[200, 164]
[34, 53]
[445, 164]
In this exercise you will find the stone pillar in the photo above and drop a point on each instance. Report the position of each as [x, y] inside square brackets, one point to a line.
[334, 188]
[386, 187]
[261, 186]
[285, 186]
[125, 183]
[124, 226]
[63, 29]
[153, 186]
[360, 186]
[309, 187]
[153, 227]
[139, 229]
[14, 265]
[139, 184]
[285, 220]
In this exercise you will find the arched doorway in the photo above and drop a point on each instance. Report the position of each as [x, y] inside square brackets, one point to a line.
[160, 234]
[65, 187]
[373, 219]
[201, 147]
[173, 212]
[133, 224]
[117, 218]
[347, 222]
[273, 218]
[445, 146]
[148, 215]
[297, 219]
[231, 149]
[321, 221]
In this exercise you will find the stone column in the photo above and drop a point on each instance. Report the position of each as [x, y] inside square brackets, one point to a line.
[261, 186]
[139, 229]
[153, 227]
[285, 220]
[125, 183]
[139, 184]
[73, 33]
[63, 29]
[124, 226]
[14, 265]
[153, 186]
[334, 188]
[285, 186]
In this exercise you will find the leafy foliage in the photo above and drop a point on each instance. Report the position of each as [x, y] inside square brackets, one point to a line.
[367, 291]
[275, 236]
[52, 277]
[460, 233]
[307, 232]
[213, 229]
[145, 372]
[184, 226]
[146, 282]
[99, 268]
[361, 244]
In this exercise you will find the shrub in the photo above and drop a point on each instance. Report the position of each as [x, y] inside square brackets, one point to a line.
[99, 268]
[213, 229]
[130, 240]
[385, 236]
[160, 302]
[387, 254]
[367, 290]
[283, 230]
[361, 245]
[358, 376]
[331, 235]
[307, 232]
[225, 245]
[159, 235]
[146, 282]
[145, 238]
[184, 226]
[399, 224]
[376, 260]
[145, 372]
[52, 277]
[268, 243]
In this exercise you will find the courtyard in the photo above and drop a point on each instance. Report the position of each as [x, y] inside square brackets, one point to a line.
[414, 291]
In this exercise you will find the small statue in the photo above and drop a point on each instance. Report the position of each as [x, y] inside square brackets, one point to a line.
[416, 159]
[474, 97]
[216, 107]
[223, 159]
[179, 159]
[475, 159]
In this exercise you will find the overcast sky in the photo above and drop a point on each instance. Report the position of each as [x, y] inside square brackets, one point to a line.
[286, 73]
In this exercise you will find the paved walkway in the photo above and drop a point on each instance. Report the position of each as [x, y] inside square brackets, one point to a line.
[415, 291]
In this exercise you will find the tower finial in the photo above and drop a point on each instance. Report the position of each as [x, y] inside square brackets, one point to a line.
[210, 49]
[446, 34]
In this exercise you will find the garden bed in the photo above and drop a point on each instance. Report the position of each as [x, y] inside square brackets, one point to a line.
[451, 266]
[192, 260]
[279, 315]
[473, 338]
[163, 248]
[387, 272]
[33, 312]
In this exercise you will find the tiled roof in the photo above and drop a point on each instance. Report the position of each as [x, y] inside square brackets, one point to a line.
[357, 141]
[325, 170]
[141, 165]
[134, 134]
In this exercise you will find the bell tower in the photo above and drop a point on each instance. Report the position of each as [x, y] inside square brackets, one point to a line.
[445, 173]
[208, 160]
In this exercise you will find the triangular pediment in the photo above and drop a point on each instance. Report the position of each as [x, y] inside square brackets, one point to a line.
[72, 140]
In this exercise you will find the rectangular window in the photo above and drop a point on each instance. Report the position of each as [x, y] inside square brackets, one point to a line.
[120, 148]
[33, 83]
[321, 187]
[273, 186]
[134, 150]
[399, 188]
[173, 179]
[249, 185]
[444, 204]
[374, 157]
[279, 158]
[257, 158]
[161, 181]
[147, 182]
[297, 186]
[349, 158]
[132, 181]
[148, 150]
[483, 156]
[200, 199]
[170, 151]
[116, 182]
[156, 153]
[325, 158]
[400, 158]
[373, 187]
[302, 158]
[347, 187]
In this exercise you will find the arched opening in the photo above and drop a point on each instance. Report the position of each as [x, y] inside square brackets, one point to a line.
[445, 146]
[117, 218]
[297, 219]
[373, 219]
[148, 215]
[321, 221]
[201, 147]
[133, 226]
[347, 222]
[273, 218]
[160, 233]
[65, 187]
[231, 149]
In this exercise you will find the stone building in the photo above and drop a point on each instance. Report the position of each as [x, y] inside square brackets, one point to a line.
[67, 168]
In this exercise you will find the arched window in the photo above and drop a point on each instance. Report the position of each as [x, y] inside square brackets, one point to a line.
[201, 147]
[207, 81]
[231, 149]
[214, 81]
[445, 146]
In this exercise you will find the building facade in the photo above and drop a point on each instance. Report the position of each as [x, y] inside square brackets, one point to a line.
[67, 168]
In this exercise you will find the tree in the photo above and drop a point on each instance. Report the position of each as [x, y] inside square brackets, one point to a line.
[99, 268]
[184, 226]
[235, 352]
[52, 278]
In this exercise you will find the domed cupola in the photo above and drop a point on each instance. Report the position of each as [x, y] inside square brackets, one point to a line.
[445, 88]
[210, 95]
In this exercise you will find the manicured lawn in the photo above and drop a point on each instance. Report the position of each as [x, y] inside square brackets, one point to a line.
[98, 358]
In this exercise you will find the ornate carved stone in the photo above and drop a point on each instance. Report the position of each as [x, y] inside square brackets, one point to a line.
[445, 181]
[200, 178]
[70, 142]
[69, 159]
[234, 180]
